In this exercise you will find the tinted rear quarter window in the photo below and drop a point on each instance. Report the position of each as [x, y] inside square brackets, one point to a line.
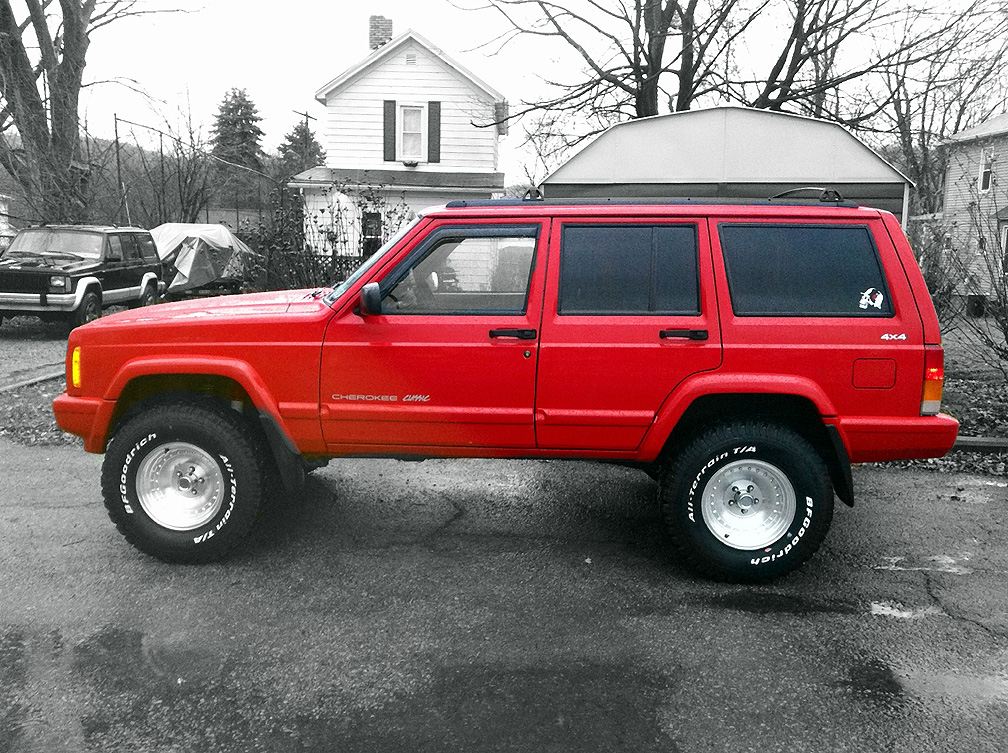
[804, 270]
[147, 248]
[629, 269]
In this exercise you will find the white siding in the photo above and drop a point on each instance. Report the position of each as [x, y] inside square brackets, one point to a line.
[969, 213]
[354, 125]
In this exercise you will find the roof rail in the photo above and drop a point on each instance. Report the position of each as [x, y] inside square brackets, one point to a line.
[826, 195]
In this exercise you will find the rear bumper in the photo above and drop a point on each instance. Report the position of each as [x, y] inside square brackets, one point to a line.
[877, 438]
[85, 417]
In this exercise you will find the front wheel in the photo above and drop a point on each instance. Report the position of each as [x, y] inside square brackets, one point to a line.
[90, 309]
[182, 481]
[747, 501]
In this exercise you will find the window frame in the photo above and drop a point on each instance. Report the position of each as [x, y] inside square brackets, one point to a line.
[110, 254]
[401, 131]
[866, 314]
[986, 170]
[652, 225]
[446, 233]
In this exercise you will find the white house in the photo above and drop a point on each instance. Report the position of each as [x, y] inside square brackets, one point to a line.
[407, 127]
[975, 206]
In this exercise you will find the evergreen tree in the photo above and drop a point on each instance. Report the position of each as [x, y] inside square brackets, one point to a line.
[235, 133]
[300, 151]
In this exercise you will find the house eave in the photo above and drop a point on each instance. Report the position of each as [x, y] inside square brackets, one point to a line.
[398, 180]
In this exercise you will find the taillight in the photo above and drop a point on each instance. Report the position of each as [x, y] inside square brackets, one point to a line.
[934, 380]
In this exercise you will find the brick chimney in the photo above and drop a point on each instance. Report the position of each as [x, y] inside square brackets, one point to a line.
[379, 31]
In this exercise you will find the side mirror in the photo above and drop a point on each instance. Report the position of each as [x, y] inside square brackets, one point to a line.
[370, 300]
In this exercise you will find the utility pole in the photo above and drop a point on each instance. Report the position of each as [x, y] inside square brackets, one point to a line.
[119, 183]
[307, 133]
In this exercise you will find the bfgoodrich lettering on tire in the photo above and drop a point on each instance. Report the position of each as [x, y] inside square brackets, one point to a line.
[747, 501]
[183, 481]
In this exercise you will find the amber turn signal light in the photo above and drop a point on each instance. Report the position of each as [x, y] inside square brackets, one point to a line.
[75, 375]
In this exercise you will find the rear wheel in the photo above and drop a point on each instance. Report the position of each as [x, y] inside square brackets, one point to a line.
[148, 297]
[183, 481]
[747, 501]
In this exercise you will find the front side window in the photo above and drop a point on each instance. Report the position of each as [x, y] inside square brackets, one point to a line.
[629, 269]
[115, 248]
[466, 272]
[804, 270]
[412, 133]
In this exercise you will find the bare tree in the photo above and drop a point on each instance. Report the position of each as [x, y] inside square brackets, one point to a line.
[956, 80]
[642, 57]
[639, 57]
[42, 58]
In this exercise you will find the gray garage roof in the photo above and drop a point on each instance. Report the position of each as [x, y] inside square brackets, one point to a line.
[727, 152]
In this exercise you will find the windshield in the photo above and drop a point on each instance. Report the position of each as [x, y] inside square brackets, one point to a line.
[371, 261]
[56, 242]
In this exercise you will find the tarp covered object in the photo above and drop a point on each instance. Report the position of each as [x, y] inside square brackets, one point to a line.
[199, 254]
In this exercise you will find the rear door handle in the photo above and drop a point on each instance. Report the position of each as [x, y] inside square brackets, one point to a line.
[691, 334]
[521, 334]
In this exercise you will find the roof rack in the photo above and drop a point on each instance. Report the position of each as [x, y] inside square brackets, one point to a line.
[784, 199]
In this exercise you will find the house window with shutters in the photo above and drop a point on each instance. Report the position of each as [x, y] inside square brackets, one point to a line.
[411, 143]
[412, 132]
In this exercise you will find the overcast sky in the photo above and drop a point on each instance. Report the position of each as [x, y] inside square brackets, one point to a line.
[281, 52]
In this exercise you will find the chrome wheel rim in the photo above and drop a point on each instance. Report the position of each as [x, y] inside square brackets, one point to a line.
[180, 486]
[748, 504]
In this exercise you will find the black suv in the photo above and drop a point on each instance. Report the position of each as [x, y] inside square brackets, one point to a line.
[71, 272]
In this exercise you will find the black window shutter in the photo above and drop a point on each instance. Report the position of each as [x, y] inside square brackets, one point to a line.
[433, 131]
[390, 130]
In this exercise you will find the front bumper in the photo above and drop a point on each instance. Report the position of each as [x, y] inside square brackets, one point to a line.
[39, 302]
[85, 417]
[872, 439]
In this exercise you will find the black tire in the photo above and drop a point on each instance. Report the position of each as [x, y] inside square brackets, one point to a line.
[89, 310]
[170, 449]
[762, 484]
[148, 297]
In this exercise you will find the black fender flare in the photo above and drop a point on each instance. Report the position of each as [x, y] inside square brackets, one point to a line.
[839, 466]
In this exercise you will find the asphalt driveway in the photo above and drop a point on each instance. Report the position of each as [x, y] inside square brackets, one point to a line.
[494, 605]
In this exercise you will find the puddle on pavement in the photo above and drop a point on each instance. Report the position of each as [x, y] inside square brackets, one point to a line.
[572, 706]
[874, 679]
[761, 602]
[963, 688]
[122, 689]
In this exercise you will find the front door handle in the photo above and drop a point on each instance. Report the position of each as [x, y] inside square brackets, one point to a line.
[691, 334]
[521, 334]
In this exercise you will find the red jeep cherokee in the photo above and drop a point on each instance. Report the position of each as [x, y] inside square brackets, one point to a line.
[743, 355]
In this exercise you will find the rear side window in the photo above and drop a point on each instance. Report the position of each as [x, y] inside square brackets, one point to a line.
[804, 270]
[129, 247]
[147, 248]
[629, 269]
